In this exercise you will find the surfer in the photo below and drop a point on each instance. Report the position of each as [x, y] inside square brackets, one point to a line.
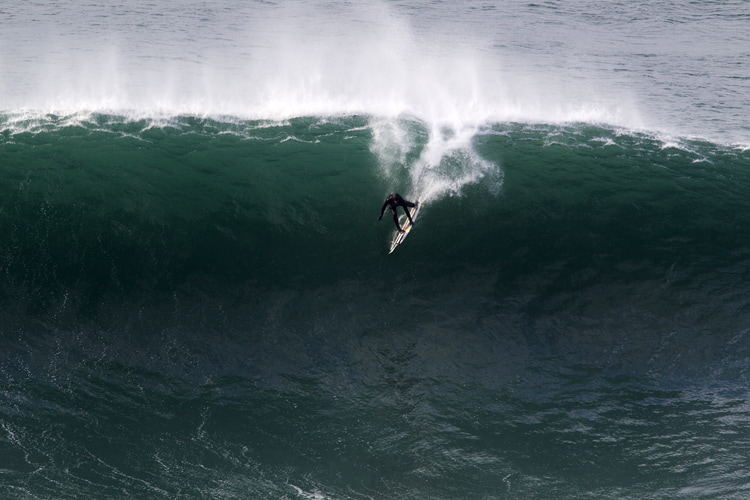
[393, 201]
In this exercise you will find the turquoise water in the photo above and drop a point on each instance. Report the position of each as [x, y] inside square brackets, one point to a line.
[196, 297]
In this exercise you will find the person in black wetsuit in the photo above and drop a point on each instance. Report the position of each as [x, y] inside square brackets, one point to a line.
[395, 200]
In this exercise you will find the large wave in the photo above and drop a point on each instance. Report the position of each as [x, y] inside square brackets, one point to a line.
[103, 202]
[197, 299]
[199, 290]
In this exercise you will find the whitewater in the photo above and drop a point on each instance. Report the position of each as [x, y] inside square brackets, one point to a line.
[196, 297]
[677, 70]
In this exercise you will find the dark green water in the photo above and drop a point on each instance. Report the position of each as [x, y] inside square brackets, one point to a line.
[197, 308]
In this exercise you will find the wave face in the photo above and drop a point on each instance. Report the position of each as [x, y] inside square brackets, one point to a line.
[206, 308]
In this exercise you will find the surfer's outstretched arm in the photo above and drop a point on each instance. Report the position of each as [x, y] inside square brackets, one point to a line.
[382, 210]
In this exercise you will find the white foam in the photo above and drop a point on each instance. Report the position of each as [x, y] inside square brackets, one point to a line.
[289, 60]
[314, 495]
[446, 161]
[264, 61]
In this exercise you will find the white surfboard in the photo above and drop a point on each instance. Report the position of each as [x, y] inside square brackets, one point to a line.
[399, 238]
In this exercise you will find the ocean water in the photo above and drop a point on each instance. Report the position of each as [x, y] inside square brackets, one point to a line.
[196, 297]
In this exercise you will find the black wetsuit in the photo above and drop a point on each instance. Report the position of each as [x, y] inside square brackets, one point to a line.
[393, 201]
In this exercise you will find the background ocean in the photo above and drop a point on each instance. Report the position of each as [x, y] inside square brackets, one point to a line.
[196, 300]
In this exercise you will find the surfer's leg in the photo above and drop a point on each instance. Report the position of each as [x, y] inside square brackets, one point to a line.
[406, 206]
[395, 221]
[408, 215]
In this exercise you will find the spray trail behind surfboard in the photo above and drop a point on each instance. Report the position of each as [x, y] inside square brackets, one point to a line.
[427, 162]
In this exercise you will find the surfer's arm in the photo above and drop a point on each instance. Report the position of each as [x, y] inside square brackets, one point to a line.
[382, 210]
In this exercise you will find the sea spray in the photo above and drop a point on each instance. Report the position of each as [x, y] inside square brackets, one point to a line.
[275, 62]
[428, 162]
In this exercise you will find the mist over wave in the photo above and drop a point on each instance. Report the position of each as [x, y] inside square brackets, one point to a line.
[677, 72]
[279, 61]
